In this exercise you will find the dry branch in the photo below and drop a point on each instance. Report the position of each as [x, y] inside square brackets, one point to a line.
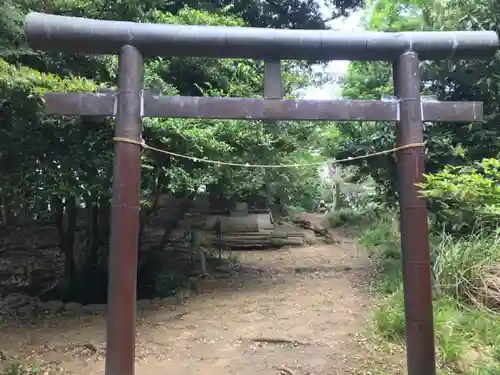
[277, 340]
[284, 370]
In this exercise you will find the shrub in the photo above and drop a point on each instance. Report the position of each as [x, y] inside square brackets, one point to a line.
[463, 198]
[344, 216]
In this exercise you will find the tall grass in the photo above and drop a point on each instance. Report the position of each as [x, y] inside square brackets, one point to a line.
[466, 274]
[468, 269]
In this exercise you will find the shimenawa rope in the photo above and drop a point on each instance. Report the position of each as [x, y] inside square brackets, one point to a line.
[145, 146]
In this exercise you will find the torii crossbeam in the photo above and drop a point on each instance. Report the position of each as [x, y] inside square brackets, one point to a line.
[132, 41]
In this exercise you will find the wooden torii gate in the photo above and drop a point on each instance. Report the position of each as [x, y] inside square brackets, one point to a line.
[132, 41]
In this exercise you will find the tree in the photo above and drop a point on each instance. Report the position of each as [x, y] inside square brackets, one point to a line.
[63, 173]
[451, 144]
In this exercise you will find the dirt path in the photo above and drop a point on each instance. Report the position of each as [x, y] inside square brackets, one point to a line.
[312, 298]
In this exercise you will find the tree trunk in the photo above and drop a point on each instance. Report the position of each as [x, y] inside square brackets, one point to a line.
[174, 219]
[5, 211]
[69, 254]
[104, 217]
[152, 210]
[337, 196]
[91, 266]
[58, 208]
[92, 231]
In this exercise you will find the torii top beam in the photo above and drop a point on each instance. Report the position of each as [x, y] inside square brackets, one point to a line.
[82, 35]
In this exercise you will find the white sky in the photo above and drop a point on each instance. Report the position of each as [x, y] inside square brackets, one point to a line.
[330, 90]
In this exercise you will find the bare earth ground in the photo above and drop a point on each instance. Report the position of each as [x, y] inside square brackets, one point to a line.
[293, 311]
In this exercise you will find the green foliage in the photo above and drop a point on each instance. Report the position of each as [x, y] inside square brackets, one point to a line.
[461, 186]
[43, 168]
[381, 237]
[466, 196]
[447, 144]
[30, 81]
[345, 216]
[467, 269]
[16, 368]
[467, 340]
[52, 165]
[466, 287]
[233, 141]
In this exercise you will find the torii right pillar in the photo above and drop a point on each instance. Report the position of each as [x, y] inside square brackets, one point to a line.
[415, 254]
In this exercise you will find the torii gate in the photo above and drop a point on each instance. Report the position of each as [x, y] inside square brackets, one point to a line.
[131, 41]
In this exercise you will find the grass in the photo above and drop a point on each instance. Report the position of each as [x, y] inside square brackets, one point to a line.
[469, 269]
[17, 368]
[467, 297]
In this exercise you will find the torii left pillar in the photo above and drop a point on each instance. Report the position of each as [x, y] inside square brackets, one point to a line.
[123, 253]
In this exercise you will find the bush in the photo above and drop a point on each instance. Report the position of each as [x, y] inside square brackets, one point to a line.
[350, 216]
[463, 198]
